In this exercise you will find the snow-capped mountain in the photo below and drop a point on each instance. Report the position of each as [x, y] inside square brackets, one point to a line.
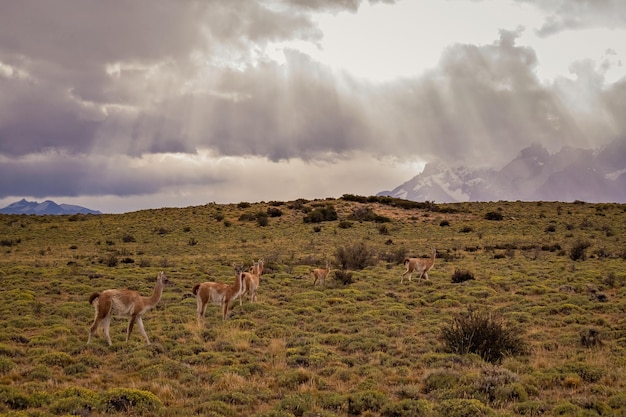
[534, 175]
[47, 207]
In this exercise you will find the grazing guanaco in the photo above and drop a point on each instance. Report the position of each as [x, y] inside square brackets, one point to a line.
[124, 303]
[321, 274]
[419, 265]
[218, 294]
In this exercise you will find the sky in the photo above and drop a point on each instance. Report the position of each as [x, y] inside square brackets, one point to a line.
[122, 106]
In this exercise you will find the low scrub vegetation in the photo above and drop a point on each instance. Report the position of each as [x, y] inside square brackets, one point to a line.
[531, 323]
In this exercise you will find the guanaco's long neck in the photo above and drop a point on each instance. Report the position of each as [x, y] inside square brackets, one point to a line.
[156, 294]
[238, 285]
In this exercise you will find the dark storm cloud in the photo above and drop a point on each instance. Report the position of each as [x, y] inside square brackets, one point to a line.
[63, 51]
[58, 174]
[87, 91]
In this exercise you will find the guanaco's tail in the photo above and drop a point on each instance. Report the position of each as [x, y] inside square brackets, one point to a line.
[93, 297]
[195, 289]
[406, 261]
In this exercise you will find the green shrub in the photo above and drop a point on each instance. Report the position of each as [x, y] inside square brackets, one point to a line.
[440, 380]
[215, 408]
[565, 408]
[483, 334]
[588, 373]
[530, 408]
[360, 402]
[6, 365]
[297, 404]
[462, 408]
[13, 398]
[406, 408]
[131, 401]
[293, 379]
[617, 401]
[61, 359]
[500, 385]
[75, 401]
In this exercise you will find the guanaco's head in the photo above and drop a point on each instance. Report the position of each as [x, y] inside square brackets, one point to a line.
[162, 278]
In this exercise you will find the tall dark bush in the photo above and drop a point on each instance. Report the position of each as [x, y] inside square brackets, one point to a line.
[483, 334]
[579, 250]
[356, 256]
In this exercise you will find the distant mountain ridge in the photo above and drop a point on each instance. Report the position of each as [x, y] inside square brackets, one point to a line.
[591, 175]
[47, 207]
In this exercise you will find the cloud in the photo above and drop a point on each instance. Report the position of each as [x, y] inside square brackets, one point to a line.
[159, 96]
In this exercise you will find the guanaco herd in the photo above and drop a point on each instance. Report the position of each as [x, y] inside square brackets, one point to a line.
[129, 303]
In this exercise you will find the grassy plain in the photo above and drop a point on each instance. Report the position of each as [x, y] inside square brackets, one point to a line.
[371, 347]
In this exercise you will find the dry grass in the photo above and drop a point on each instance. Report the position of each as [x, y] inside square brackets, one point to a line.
[371, 347]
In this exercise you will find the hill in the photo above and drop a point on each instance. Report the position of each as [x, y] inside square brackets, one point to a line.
[547, 276]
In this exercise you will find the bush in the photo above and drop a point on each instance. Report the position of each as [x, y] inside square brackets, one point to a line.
[131, 401]
[321, 214]
[480, 333]
[61, 359]
[247, 217]
[461, 276]
[344, 277]
[578, 251]
[406, 408]
[262, 219]
[75, 401]
[590, 338]
[462, 408]
[6, 365]
[297, 404]
[13, 398]
[274, 212]
[357, 256]
[366, 401]
[493, 215]
[345, 224]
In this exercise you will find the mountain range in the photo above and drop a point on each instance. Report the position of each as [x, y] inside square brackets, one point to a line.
[47, 207]
[591, 175]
